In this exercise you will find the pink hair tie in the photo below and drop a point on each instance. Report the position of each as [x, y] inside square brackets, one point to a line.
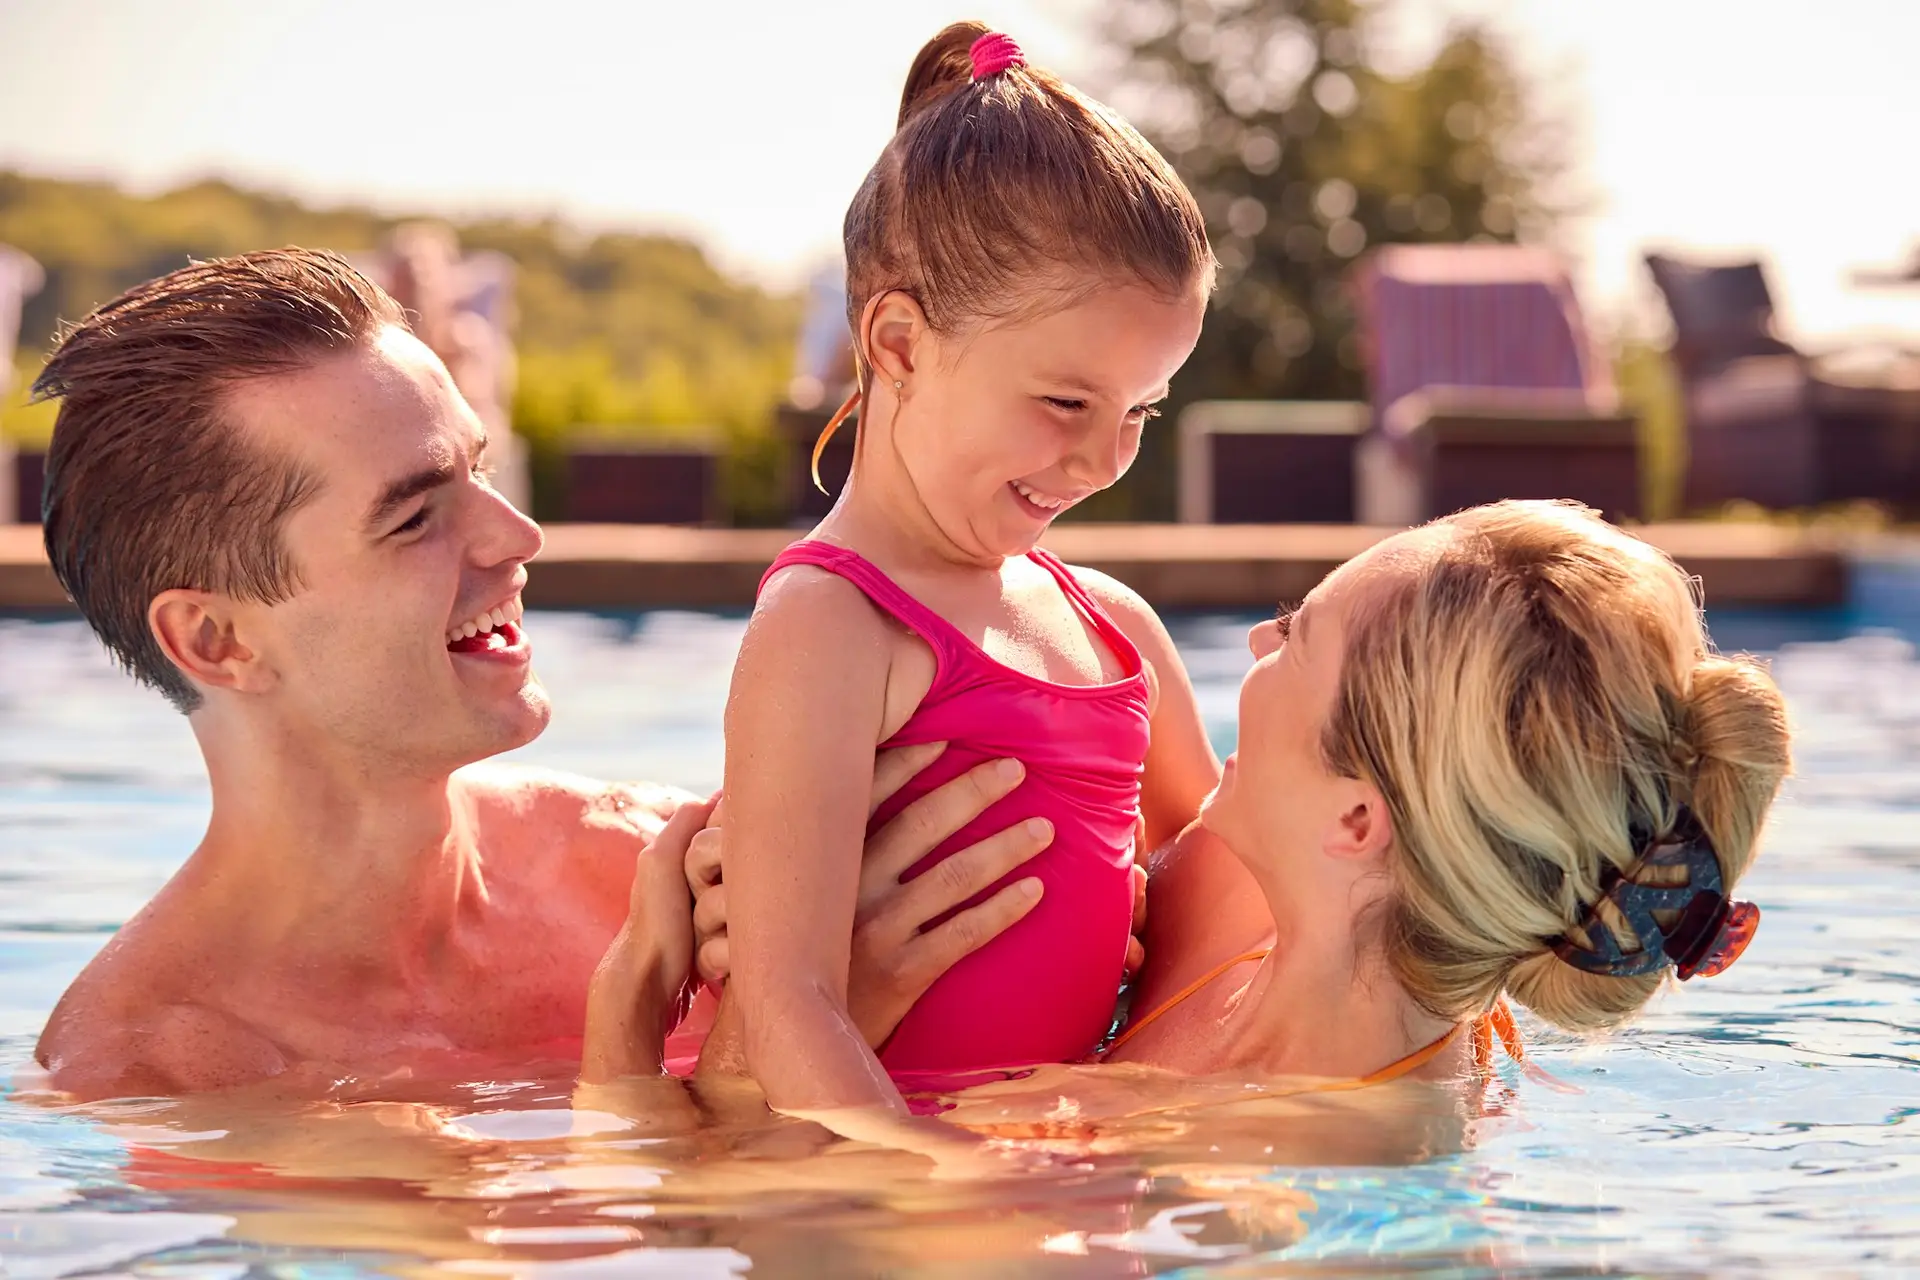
[993, 53]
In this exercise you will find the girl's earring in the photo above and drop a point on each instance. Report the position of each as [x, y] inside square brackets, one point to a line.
[897, 384]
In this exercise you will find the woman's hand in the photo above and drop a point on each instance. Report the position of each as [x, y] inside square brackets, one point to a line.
[893, 962]
[642, 986]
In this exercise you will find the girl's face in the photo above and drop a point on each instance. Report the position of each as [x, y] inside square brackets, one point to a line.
[1004, 426]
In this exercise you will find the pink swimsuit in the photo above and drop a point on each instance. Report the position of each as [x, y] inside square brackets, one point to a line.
[1044, 990]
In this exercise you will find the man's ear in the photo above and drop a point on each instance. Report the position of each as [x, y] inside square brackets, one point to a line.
[1363, 830]
[895, 327]
[198, 633]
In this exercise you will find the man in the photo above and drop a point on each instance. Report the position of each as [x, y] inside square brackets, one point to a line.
[268, 500]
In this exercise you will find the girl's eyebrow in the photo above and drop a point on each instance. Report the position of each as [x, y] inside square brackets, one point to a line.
[1075, 382]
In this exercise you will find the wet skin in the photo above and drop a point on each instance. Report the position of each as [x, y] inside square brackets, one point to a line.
[369, 899]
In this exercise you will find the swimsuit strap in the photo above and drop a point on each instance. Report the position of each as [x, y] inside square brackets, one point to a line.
[887, 594]
[947, 640]
[1496, 1023]
[1146, 1019]
[1083, 602]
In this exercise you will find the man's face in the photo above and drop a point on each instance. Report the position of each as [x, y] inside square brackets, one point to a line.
[402, 649]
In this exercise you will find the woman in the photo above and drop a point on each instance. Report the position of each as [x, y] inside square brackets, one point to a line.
[1491, 757]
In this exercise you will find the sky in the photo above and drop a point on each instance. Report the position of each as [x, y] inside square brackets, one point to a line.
[1721, 126]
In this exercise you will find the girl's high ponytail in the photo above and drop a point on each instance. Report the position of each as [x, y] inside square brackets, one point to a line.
[945, 64]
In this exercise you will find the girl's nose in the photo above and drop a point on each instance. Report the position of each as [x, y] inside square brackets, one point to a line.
[1104, 454]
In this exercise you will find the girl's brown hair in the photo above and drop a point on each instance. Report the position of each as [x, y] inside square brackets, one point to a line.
[996, 190]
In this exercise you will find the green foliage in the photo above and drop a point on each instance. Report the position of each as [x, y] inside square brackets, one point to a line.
[1650, 390]
[21, 422]
[1303, 151]
[636, 333]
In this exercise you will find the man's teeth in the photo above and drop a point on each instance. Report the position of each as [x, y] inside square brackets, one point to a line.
[1039, 499]
[480, 624]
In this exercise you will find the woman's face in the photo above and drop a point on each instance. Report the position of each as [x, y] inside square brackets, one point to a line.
[1278, 804]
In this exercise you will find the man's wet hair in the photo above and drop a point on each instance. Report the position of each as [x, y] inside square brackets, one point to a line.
[150, 485]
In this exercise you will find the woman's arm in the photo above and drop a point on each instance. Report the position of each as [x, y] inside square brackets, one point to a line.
[807, 705]
[1181, 769]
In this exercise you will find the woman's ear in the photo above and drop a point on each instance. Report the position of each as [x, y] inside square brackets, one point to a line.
[1363, 830]
[197, 631]
[895, 328]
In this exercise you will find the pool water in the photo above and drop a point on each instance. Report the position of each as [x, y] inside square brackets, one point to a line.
[1766, 1120]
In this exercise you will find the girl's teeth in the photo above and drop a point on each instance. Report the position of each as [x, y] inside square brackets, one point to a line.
[1036, 498]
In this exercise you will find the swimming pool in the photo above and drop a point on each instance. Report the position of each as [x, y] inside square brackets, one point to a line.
[1769, 1119]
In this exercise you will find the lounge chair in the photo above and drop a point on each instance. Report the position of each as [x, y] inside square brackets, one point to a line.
[1768, 423]
[1484, 386]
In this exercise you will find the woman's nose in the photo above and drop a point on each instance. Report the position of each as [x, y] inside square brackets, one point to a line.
[1263, 638]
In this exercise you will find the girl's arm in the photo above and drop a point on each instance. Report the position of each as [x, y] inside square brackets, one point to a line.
[1181, 769]
[806, 708]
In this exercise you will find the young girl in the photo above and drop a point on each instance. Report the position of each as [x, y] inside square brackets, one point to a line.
[1025, 273]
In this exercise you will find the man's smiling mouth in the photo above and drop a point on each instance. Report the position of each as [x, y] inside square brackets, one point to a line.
[495, 630]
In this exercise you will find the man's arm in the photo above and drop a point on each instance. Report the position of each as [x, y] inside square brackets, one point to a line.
[640, 988]
[170, 1049]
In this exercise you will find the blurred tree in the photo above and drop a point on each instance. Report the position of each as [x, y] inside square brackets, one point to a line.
[620, 330]
[1303, 148]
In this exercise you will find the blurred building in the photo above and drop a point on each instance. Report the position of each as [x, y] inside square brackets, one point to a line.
[823, 366]
[20, 278]
[461, 306]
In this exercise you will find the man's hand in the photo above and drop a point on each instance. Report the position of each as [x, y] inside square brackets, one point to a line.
[641, 988]
[893, 961]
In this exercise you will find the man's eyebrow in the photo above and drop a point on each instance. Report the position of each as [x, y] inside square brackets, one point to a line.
[402, 491]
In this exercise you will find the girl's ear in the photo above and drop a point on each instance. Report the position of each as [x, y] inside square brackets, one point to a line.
[894, 327]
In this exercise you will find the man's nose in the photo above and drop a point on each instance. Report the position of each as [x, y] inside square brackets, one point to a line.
[507, 536]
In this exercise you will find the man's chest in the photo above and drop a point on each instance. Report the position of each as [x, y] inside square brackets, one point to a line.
[513, 979]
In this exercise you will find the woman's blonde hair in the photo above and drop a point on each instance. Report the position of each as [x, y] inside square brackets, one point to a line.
[1536, 691]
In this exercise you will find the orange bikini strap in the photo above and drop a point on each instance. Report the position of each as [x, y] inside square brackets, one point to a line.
[1145, 1020]
[1496, 1023]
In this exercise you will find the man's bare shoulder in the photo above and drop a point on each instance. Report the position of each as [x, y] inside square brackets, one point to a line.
[120, 1032]
[535, 809]
[502, 790]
